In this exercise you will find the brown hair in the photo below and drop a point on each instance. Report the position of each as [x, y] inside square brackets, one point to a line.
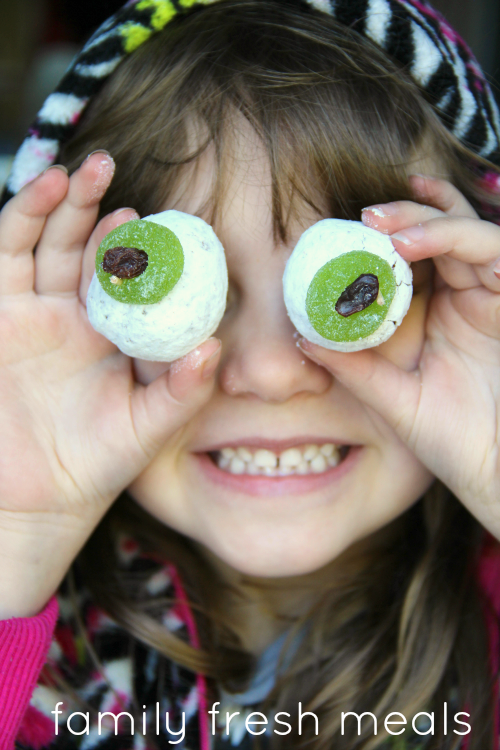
[343, 127]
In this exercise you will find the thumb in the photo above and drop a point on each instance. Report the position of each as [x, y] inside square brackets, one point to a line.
[166, 404]
[390, 391]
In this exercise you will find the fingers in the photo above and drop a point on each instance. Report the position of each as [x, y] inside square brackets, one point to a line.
[441, 198]
[388, 390]
[105, 226]
[391, 217]
[469, 241]
[456, 274]
[456, 243]
[481, 310]
[21, 223]
[442, 195]
[67, 229]
[161, 408]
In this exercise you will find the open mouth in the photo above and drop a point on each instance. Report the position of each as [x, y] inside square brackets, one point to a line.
[299, 460]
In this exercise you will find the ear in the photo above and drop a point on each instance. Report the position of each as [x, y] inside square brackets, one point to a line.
[345, 286]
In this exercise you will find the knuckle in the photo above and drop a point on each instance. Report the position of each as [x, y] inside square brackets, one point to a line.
[448, 222]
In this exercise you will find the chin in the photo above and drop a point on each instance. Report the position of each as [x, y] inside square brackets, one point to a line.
[274, 564]
[279, 553]
[279, 523]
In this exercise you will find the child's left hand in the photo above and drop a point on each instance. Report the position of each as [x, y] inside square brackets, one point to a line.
[448, 409]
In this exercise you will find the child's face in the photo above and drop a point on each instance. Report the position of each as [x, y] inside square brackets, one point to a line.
[270, 396]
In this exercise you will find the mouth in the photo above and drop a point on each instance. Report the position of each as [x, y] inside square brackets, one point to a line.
[274, 468]
[299, 460]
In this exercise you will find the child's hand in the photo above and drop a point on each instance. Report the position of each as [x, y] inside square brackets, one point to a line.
[448, 409]
[75, 429]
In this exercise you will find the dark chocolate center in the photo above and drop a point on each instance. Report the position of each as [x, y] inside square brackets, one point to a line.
[358, 296]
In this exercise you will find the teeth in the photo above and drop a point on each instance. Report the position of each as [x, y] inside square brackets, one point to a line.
[318, 464]
[327, 450]
[307, 459]
[244, 454]
[265, 459]
[292, 457]
[237, 465]
[310, 452]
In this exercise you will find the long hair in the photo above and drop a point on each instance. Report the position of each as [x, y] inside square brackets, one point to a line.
[343, 127]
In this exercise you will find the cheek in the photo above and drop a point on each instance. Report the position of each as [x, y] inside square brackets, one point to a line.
[160, 489]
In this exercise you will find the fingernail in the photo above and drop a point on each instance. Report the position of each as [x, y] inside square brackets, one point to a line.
[496, 270]
[120, 210]
[382, 210]
[211, 363]
[308, 348]
[55, 166]
[410, 235]
[99, 151]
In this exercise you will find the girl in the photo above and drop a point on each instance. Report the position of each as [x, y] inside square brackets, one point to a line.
[206, 601]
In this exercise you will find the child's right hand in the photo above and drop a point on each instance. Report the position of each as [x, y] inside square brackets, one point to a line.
[75, 429]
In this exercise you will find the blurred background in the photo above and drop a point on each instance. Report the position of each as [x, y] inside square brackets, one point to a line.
[38, 39]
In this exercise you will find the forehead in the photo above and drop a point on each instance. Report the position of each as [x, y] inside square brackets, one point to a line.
[235, 195]
[243, 204]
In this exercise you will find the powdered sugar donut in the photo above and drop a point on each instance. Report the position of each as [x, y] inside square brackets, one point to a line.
[160, 286]
[345, 286]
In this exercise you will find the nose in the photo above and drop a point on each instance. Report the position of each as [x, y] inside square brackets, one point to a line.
[261, 358]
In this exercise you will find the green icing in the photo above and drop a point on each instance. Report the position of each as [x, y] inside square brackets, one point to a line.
[165, 262]
[328, 284]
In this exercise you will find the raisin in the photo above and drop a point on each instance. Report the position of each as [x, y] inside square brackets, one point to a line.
[125, 262]
[358, 295]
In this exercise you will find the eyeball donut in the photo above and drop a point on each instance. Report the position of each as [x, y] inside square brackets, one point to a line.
[160, 286]
[345, 286]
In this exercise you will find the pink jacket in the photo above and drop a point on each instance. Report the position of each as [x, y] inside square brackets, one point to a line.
[25, 644]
